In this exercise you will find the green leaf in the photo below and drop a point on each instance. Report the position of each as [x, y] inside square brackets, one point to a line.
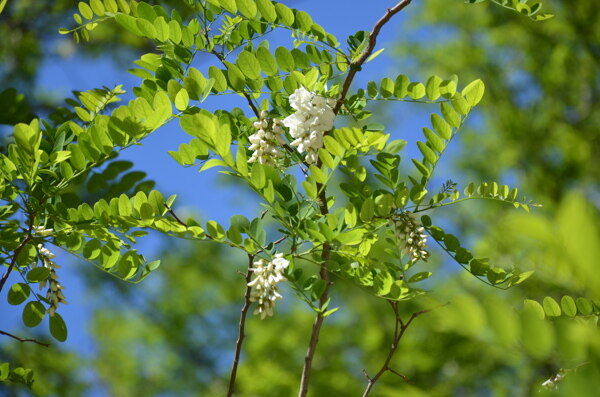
[18, 293]
[386, 88]
[318, 174]
[249, 65]
[257, 176]
[434, 140]
[419, 277]
[432, 88]
[220, 82]
[182, 100]
[97, 7]
[85, 10]
[267, 10]
[427, 152]
[215, 230]
[2, 5]
[38, 274]
[58, 328]
[351, 237]
[534, 307]
[229, 5]
[303, 21]
[91, 249]
[237, 80]
[284, 58]
[416, 90]
[401, 86]
[124, 205]
[450, 115]
[422, 168]
[310, 188]
[285, 15]
[451, 242]
[111, 6]
[473, 92]
[442, 128]
[568, 306]
[33, 313]
[551, 307]
[266, 61]
[375, 55]
[585, 306]
[367, 210]
[247, 8]
[461, 105]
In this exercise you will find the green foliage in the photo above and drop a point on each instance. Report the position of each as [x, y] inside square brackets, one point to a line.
[367, 236]
[16, 375]
[526, 7]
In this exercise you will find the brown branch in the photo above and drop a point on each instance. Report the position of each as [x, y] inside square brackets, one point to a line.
[356, 65]
[316, 329]
[14, 258]
[24, 339]
[325, 254]
[400, 328]
[174, 215]
[324, 275]
[241, 327]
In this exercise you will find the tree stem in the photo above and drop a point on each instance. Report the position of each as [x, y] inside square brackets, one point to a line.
[324, 272]
[241, 327]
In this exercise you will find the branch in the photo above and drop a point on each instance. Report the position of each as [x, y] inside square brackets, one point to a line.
[400, 328]
[316, 329]
[356, 65]
[245, 94]
[15, 255]
[324, 275]
[241, 326]
[324, 272]
[24, 339]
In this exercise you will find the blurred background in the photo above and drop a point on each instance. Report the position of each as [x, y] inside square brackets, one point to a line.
[538, 127]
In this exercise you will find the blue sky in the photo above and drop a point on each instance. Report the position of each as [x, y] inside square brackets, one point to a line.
[205, 193]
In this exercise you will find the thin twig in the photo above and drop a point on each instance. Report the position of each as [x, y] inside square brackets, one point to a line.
[245, 94]
[24, 339]
[400, 328]
[241, 326]
[16, 253]
[356, 65]
[174, 215]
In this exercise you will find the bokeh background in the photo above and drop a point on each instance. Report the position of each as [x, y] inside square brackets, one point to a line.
[537, 127]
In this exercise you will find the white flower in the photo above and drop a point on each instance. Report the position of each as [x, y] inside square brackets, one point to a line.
[265, 141]
[411, 233]
[54, 294]
[552, 382]
[42, 231]
[264, 286]
[313, 118]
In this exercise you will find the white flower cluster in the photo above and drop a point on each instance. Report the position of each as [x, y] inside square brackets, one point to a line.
[313, 118]
[54, 294]
[552, 382]
[265, 141]
[42, 231]
[264, 286]
[410, 231]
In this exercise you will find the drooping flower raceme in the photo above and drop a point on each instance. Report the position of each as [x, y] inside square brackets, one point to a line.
[410, 231]
[264, 285]
[313, 118]
[266, 141]
[54, 294]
